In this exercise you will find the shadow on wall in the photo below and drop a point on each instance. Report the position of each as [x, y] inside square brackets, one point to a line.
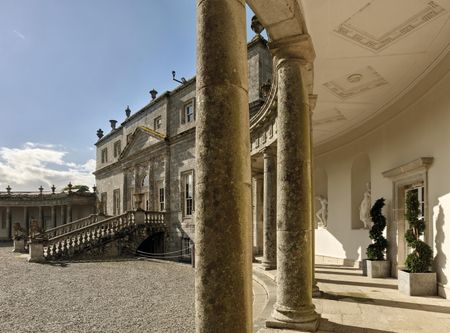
[440, 260]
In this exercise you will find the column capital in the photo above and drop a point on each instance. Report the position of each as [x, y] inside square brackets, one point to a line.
[294, 48]
[269, 152]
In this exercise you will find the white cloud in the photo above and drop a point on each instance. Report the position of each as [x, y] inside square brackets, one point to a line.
[32, 165]
[19, 34]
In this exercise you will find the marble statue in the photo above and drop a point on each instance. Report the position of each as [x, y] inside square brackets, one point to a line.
[322, 213]
[364, 208]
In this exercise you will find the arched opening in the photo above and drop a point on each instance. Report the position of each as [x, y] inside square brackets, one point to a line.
[153, 244]
[360, 191]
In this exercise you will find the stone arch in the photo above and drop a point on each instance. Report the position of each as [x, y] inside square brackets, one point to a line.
[360, 177]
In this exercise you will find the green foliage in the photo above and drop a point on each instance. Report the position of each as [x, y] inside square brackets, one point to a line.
[375, 251]
[78, 188]
[419, 261]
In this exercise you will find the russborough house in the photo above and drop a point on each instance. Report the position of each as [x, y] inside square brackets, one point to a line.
[151, 154]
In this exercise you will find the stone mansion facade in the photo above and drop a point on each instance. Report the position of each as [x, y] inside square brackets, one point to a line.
[151, 154]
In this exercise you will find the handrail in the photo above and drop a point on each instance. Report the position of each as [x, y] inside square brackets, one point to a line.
[93, 225]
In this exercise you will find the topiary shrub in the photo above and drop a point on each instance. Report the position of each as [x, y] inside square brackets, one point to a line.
[375, 251]
[419, 261]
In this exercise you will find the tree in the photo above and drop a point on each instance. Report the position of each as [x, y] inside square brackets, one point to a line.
[375, 251]
[419, 261]
[78, 188]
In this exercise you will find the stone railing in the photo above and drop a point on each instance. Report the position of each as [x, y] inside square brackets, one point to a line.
[87, 233]
[67, 228]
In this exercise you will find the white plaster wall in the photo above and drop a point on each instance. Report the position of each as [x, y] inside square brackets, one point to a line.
[420, 130]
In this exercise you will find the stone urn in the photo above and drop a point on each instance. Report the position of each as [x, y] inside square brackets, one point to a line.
[417, 284]
[377, 268]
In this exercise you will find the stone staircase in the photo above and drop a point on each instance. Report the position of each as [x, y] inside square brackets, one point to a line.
[96, 236]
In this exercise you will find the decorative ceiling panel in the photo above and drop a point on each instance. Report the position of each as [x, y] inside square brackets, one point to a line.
[396, 19]
[355, 83]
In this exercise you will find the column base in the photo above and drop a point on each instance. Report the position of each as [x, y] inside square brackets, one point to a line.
[268, 266]
[316, 291]
[304, 320]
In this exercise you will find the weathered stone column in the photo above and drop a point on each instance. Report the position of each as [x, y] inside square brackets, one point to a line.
[9, 222]
[258, 233]
[223, 279]
[63, 213]
[26, 222]
[53, 214]
[270, 223]
[315, 288]
[294, 308]
[69, 213]
[41, 218]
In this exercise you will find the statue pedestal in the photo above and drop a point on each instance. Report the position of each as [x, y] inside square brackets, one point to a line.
[36, 250]
[19, 245]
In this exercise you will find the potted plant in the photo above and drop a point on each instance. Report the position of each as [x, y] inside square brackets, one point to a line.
[416, 279]
[376, 265]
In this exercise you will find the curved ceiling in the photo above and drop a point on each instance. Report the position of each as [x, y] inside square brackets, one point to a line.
[369, 54]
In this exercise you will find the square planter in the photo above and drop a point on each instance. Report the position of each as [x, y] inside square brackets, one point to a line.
[417, 284]
[364, 267]
[378, 268]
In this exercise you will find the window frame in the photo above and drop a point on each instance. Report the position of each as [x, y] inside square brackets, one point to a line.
[116, 201]
[184, 113]
[117, 148]
[104, 155]
[187, 203]
[157, 123]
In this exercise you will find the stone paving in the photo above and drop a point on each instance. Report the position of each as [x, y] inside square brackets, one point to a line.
[139, 295]
[352, 303]
[111, 296]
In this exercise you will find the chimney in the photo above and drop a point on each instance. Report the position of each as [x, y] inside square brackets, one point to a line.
[153, 93]
[113, 124]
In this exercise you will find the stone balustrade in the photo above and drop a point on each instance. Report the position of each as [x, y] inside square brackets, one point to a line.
[65, 241]
[67, 228]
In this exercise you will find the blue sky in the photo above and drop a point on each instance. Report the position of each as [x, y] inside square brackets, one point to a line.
[67, 67]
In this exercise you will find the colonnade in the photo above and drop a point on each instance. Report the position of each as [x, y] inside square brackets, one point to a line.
[24, 218]
[223, 219]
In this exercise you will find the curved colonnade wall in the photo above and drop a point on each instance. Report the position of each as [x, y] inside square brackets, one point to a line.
[407, 149]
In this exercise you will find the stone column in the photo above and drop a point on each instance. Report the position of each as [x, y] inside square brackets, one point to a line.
[26, 222]
[315, 288]
[294, 308]
[9, 222]
[69, 214]
[41, 218]
[53, 214]
[63, 214]
[223, 278]
[270, 224]
[258, 232]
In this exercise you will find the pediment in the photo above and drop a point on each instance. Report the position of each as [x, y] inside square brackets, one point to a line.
[142, 138]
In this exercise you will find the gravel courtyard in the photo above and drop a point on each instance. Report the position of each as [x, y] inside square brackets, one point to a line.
[117, 296]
